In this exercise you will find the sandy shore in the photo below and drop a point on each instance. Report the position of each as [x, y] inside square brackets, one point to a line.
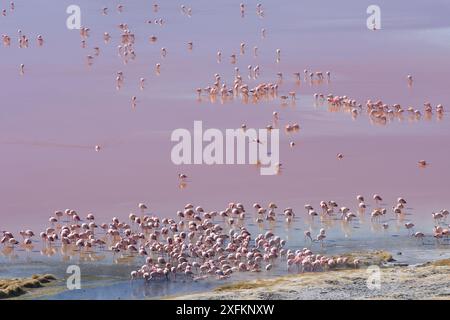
[428, 281]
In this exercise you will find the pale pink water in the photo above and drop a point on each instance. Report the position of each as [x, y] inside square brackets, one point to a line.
[52, 117]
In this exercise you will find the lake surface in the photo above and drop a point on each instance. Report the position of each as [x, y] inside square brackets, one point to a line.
[52, 117]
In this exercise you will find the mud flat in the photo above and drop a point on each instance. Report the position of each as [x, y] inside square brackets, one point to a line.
[427, 281]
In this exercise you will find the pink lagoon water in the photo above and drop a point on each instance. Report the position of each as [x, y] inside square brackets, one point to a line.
[52, 117]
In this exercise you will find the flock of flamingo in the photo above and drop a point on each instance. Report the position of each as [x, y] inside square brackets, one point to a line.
[200, 243]
[379, 112]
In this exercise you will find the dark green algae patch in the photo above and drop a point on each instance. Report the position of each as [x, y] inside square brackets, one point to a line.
[10, 288]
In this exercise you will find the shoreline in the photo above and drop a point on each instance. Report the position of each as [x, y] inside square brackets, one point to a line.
[398, 280]
[430, 280]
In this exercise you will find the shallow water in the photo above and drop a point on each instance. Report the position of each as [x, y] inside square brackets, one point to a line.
[105, 275]
[52, 117]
